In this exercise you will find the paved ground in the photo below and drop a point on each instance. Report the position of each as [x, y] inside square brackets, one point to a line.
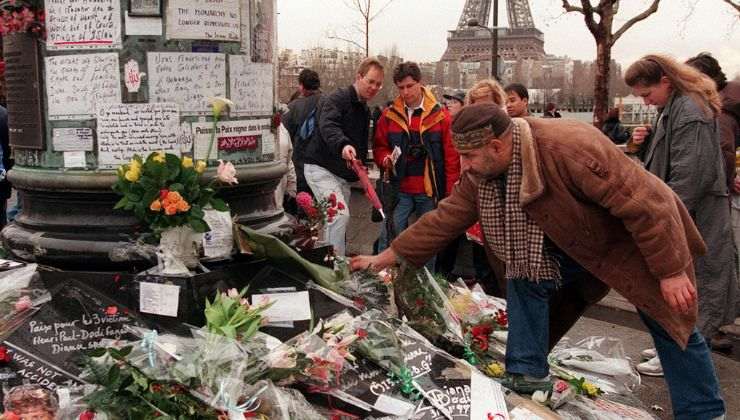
[604, 319]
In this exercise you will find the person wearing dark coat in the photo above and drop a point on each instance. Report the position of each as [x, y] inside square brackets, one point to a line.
[683, 149]
[341, 137]
[614, 129]
[299, 110]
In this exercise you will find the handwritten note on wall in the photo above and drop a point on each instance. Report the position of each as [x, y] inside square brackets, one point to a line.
[128, 129]
[72, 139]
[76, 84]
[251, 86]
[74, 24]
[239, 135]
[187, 79]
[216, 20]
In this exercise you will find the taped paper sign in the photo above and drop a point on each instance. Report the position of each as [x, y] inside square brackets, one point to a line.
[251, 86]
[216, 20]
[187, 79]
[75, 24]
[77, 84]
[231, 136]
[128, 129]
[72, 139]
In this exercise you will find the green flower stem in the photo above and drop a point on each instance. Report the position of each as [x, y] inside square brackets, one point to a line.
[213, 137]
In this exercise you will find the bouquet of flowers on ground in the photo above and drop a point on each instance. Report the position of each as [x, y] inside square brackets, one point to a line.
[165, 190]
[231, 315]
[314, 215]
[19, 299]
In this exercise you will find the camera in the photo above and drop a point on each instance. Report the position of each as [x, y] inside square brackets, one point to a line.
[417, 151]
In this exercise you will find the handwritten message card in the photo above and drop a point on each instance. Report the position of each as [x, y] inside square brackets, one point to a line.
[128, 129]
[216, 20]
[72, 139]
[251, 86]
[74, 24]
[77, 84]
[187, 79]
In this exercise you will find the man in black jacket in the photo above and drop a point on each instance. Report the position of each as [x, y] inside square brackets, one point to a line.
[343, 123]
[299, 110]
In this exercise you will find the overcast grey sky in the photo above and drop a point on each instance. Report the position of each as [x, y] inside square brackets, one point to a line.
[419, 28]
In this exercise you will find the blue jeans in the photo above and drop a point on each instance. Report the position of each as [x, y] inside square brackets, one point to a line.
[692, 382]
[407, 204]
[527, 305]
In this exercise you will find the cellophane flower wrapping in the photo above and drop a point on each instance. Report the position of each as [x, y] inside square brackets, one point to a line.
[422, 299]
[601, 361]
[21, 295]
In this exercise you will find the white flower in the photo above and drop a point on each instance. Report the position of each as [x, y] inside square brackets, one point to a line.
[226, 172]
[540, 397]
[218, 103]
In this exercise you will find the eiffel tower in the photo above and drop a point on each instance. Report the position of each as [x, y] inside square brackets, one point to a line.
[521, 40]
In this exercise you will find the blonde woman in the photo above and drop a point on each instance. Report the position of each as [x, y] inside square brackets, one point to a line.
[682, 148]
[487, 90]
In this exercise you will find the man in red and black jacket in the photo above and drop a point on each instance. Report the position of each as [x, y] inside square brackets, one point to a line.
[419, 126]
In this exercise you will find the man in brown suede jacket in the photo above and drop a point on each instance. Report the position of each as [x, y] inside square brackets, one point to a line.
[569, 214]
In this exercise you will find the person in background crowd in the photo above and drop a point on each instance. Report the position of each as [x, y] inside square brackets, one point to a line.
[729, 117]
[551, 111]
[300, 109]
[576, 211]
[285, 192]
[729, 124]
[517, 100]
[342, 136]
[683, 150]
[454, 101]
[486, 90]
[5, 165]
[614, 129]
[419, 126]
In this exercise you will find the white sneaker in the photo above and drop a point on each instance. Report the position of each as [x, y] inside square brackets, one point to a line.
[648, 353]
[650, 368]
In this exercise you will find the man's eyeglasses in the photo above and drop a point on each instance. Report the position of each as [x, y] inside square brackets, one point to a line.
[374, 83]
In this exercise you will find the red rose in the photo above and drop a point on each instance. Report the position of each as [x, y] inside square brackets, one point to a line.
[111, 310]
[116, 278]
[361, 333]
[87, 415]
[340, 205]
[163, 193]
[333, 199]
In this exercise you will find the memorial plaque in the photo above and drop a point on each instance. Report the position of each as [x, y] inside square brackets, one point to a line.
[23, 90]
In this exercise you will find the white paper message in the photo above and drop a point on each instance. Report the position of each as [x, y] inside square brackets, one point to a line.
[219, 241]
[231, 136]
[72, 139]
[159, 299]
[75, 159]
[486, 398]
[246, 29]
[187, 79]
[77, 84]
[251, 86]
[143, 25]
[216, 20]
[74, 24]
[293, 306]
[128, 129]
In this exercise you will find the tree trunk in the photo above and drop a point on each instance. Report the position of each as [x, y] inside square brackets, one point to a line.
[601, 82]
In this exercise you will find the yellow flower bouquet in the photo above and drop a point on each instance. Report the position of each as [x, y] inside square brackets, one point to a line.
[165, 191]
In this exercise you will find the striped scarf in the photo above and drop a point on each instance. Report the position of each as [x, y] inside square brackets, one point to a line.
[513, 236]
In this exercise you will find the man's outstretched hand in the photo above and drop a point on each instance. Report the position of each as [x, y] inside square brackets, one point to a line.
[376, 263]
[679, 292]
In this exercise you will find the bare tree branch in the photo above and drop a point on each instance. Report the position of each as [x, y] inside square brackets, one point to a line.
[733, 4]
[381, 9]
[355, 43]
[570, 8]
[649, 11]
[588, 14]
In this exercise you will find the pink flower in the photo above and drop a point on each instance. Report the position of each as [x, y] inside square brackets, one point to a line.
[23, 303]
[226, 172]
[233, 293]
[87, 415]
[560, 386]
[304, 200]
[111, 310]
